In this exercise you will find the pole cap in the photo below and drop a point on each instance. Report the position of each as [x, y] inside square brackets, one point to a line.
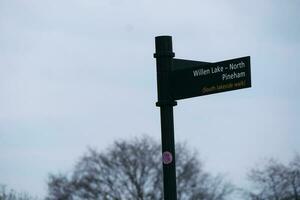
[163, 46]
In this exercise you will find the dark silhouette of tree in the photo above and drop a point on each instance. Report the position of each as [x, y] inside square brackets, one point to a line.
[133, 170]
[13, 195]
[59, 187]
[276, 181]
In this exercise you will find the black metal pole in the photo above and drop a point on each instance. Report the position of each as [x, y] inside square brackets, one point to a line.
[164, 60]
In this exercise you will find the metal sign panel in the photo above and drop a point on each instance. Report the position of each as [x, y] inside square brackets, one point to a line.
[195, 78]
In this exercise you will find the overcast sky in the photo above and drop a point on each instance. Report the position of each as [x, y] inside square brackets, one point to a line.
[79, 73]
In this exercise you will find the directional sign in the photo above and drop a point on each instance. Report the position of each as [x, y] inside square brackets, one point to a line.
[195, 78]
[180, 79]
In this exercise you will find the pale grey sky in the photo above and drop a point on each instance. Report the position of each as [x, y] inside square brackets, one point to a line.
[81, 73]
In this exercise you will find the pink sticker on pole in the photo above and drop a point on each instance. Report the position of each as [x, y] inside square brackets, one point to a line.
[167, 157]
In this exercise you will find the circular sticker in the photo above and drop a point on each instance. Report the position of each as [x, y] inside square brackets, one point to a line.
[167, 157]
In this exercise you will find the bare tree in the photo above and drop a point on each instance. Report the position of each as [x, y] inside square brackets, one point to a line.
[276, 181]
[59, 187]
[11, 194]
[133, 170]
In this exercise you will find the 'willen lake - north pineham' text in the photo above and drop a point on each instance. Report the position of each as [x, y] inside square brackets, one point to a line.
[227, 72]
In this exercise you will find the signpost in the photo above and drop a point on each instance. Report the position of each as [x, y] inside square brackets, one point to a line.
[180, 79]
[164, 59]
